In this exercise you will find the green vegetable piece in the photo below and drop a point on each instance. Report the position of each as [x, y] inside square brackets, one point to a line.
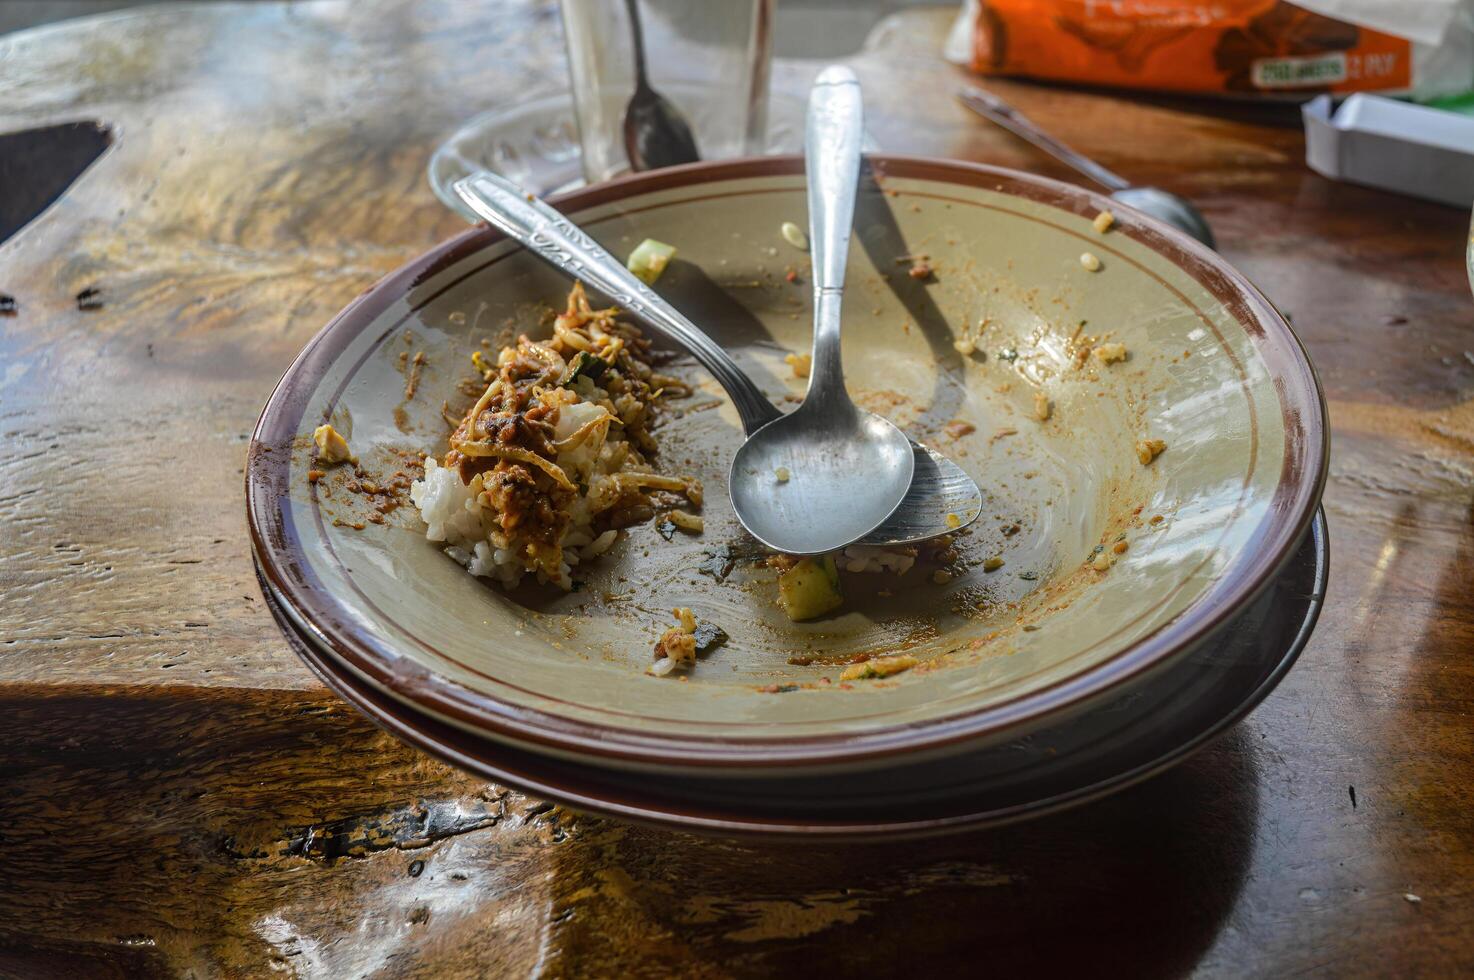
[585, 365]
[810, 589]
[649, 260]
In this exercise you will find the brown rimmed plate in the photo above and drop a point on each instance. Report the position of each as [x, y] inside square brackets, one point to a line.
[1212, 370]
[1158, 725]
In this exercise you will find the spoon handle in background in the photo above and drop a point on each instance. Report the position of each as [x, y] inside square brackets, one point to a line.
[832, 138]
[989, 106]
[548, 234]
[637, 41]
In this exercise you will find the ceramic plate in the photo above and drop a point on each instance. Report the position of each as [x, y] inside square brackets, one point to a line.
[1141, 734]
[1211, 370]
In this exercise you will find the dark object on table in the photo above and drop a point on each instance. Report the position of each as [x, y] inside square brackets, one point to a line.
[89, 299]
[38, 165]
[655, 133]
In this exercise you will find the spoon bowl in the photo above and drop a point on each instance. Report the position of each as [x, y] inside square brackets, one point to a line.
[812, 463]
[1165, 206]
[655, 133]
[1174, 209]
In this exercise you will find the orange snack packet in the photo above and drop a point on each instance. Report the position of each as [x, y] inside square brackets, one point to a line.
[1227, 47]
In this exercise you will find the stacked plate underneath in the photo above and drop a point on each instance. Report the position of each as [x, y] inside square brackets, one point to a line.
[1050, 680]
[1136, 735]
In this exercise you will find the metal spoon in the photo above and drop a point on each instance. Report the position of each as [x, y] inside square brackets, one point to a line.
[655, 133]
[843, 470]
[1174, 210]
[941, 497]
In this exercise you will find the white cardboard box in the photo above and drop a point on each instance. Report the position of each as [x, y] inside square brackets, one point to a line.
[1397, 146]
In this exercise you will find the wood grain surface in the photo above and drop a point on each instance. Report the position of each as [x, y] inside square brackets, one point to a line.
[179, 796]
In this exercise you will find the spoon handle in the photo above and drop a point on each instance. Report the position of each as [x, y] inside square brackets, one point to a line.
[989, 106]
[836, 125]
[637, 41]
[549, 235]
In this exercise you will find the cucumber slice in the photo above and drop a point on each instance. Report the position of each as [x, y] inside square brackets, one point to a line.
[649, 260]
[810, 589]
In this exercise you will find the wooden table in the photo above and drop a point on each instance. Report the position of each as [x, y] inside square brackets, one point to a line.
[179, 796]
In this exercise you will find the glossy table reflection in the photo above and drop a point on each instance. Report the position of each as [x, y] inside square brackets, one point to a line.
[181, 796]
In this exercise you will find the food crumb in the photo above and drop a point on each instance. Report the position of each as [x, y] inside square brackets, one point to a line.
[412, 382]
[920, 269]
[1089, 262]
[1411, 898]
[992, 564]
[880, 667]
[1030, 627]
[1156, 519]
[314, 475]
[794, 235]
[1102, 562]
[953, 520]
[1119, 547]
[782, 474]
[1110, 353]
[483, 367]
[331, 446]
[1148, 450]
[1042, 407]
[941, 577]
[966, 346]
[686, 522]
[677, 645]
[1103, 222]
[957, 428]
[802, 364]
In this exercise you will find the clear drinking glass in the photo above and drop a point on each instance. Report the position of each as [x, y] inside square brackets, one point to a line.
[711, 59]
